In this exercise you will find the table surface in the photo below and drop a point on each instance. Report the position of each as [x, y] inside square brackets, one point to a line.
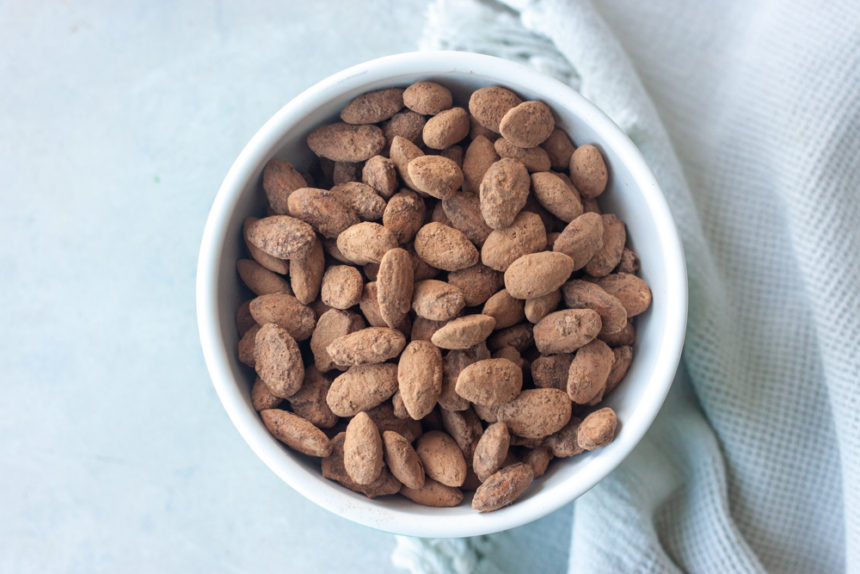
[117, 123]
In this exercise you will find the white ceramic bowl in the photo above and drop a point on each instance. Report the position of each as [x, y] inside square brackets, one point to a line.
[633, 195]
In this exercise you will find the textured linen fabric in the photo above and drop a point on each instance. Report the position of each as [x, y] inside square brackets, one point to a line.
[749, 115]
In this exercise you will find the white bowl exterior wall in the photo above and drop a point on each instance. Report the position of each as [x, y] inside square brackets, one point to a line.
[633, 195]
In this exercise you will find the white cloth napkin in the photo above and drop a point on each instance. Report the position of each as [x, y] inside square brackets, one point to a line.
[749, 115]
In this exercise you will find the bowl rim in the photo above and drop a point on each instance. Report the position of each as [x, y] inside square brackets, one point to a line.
[214, 240]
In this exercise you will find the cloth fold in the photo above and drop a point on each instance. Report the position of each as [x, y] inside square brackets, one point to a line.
[749, 116]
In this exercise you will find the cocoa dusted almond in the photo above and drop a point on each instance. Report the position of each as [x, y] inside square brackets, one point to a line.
[503, 192]
[345, 142]
[322, 209]
[435, 175]
[333, 469]
[536, 413]
[537, 274]
[446, 128]
[490, 382]
[489, 105]
[588, 171]
[285, 311]
[581, 239]
[566, 331]
[278, 361]
[427, 98]
[503, 487]
[419, 377]
[373, 107]
[362, 450]
[298, 433]
[367, 346]
[445, 248]
[281, 236]
[464, 332]
[403, 461]
[361, 388]
[365, 242]
[528, 124]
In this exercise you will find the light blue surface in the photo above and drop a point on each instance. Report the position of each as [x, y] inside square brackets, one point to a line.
[117, 124]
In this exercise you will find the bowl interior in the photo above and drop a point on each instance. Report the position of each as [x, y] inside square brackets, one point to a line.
[632, 194]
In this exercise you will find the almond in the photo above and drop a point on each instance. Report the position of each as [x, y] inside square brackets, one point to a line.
[380, 173]
[581, 239]
[489, 105]
[598, 429]
[373, 107]
[259, 279]
[630, 290]
[502, 247]
[361, 388]
[361, 199]
[477, 283]
[464, 332]
[306, 273]
[273, 264]
[332, 325]
[282, 236]
[480, 155]
[527, 125]
[342, 286]
[536, 413]
[402, 460]
[345, 142]
[609, 255]
[567, 330]
[464, 213]
[309, 401]
[556, 196]
[362, 450]
[534, 158]
[419, 376]
[537, 274]
[503, 192]
[491, 450]
[404, 215]
[427, 98]
[442, 459]
[490, 382]
[506, 310]
[402, 152]
[278, 361]
[559, 148]
[579, 294]
[539, 307]
[444, 247]
[503, 487]
[285, 311]
[321, 209]
[367, 346]
[588, 171]
[437, 300]
[446, 128]
[435, 175]
[589, 372]
[296, 432]
[365, 242]
[433, 493]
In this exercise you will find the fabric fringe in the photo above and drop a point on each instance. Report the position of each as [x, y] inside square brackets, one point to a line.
[496, 30]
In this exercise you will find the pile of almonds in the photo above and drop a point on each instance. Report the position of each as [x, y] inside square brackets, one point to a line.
[441, 305]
